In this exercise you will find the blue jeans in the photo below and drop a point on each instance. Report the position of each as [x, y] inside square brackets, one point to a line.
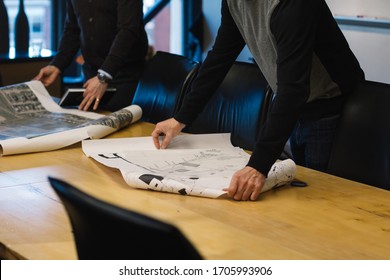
[311, 142]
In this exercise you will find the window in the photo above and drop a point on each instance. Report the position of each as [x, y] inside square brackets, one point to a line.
[178, 28]
[159, 25]
[39, 16]
[165, 29]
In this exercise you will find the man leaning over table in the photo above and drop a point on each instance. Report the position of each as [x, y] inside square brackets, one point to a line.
[113, 43]
[308, 64]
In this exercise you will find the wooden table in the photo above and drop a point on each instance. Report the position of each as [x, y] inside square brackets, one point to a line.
[332, 218]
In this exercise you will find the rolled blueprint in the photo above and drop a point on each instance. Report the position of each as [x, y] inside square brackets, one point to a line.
[30, 121]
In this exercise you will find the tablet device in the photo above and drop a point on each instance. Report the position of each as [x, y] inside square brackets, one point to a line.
[74, 96]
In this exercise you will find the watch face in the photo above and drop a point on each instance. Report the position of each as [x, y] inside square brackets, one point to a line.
[102, 78]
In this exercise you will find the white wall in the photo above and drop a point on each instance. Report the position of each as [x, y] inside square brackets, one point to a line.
[367, 8]
[370, 45]
[372, 48]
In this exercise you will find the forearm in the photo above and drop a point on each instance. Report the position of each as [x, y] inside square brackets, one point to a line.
[293, 27]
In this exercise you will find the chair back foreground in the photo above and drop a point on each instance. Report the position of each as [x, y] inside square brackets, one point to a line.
[103, 231]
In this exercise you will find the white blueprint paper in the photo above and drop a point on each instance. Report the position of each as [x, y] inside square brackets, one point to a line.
[191, 166]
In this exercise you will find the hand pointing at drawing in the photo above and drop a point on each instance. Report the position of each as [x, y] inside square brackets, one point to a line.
[168, 129]
[246, 184]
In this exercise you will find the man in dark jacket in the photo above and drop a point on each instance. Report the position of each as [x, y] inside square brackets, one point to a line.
[113, 43]
[308, 64]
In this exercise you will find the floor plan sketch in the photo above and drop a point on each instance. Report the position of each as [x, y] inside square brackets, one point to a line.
[200, 172]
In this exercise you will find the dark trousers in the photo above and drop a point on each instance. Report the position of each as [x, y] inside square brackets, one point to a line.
[311, 142]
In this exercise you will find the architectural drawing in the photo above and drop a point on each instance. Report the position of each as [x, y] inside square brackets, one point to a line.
[30, 120]
[199, 172]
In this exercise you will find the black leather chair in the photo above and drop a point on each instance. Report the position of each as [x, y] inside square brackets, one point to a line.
[105, 232]
[239, 106]
[165, 78]
[361, 149]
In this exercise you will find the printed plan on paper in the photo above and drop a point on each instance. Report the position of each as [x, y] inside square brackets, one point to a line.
[199, 165]
[30, 121]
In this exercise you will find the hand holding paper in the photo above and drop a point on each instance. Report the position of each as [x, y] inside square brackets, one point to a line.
[191, 166]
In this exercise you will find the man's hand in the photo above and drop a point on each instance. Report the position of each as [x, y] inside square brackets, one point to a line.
[47, 75]
[168, 129]
[94, 91]
[246, 184]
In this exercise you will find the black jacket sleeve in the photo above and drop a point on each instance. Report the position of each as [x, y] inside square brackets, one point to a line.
[293, 26]
[130, 42]
[70, 40]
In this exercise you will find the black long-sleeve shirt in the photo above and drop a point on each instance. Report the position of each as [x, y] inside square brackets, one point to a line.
[299, 29]
[110, 34]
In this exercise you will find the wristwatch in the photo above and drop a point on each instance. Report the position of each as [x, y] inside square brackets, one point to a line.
[103, 78]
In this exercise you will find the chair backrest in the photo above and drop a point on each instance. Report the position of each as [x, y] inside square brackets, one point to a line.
[239, 106]
[165, 78]
[361, 150]
[106, 232]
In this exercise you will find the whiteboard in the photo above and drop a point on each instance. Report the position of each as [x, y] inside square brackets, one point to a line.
[376, 9]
